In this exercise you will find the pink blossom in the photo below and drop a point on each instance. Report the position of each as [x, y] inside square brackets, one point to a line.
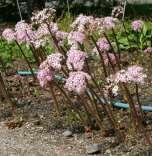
[77, 82]
[96, 24]
[54, 60]
[137, 25]
[76, 59]
[61, 35]
[109, 22]
[24, 33]
[43, 16]
[112, 58]
[75, 37]
[42, 31]
[22, 25]
[45, 76]
[103, 45]
[21, 36]
[81, 22]
[38, 43]
[148, 50]
[133, 74]
[9, 35]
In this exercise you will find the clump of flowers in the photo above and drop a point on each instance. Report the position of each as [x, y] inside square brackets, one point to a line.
[53, 61]
[133, 74]
[47, 68]
[77, 82]
[137, 25]
[43, 16]
[61, 35]
[81, 22]
[45, 76]
[76, 59]
[109, 22]
[9, 35]
[148, 50]
[136, 75]
[24, 33]
[42, 31]
[103, 45]
[76, 37]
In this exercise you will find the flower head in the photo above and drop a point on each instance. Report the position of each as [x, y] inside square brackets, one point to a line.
[76, 37]
[45, 76]
[9, 35]
[54, 61]
[133, 74]
[43, 16]
[76, 59]
[137, 25]
[61, 35]
[77, 82]
[109, 22]
[103, 45]
[24, 33]
[42, 31]
[81, 22]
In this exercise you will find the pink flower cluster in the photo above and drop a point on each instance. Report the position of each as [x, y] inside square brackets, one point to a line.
[24, 33]
[53, 61]
[77, 82]
[133, 74]
[45, 76]
[9, 35]
[76, 59]
[81, 22]
[61, 35]
[137, 25]
[47, 68]
[75, 37]
[43, 15]
[148, 50]
[103, 45]
[43, 32]
[109, 22]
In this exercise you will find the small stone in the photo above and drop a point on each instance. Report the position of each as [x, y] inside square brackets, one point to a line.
[67, 133]
[93, 149]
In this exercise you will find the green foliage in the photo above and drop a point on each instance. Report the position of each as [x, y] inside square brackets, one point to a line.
[65, 22]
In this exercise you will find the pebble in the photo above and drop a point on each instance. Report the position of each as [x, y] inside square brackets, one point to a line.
[67, 133]
[93, 149]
